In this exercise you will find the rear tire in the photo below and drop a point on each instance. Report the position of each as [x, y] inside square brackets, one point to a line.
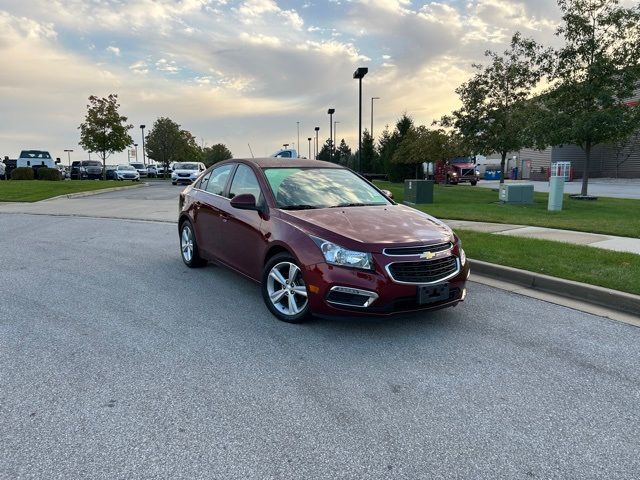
[189, 247]
[283, 289]
[473, 184]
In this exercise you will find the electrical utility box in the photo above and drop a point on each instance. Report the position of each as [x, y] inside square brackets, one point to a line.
[556, 191]
[418, 191]
[518, 193]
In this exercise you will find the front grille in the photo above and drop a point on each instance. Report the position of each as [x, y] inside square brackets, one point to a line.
[468, 172]
[184, 174]
[430, 271]
[419, 250]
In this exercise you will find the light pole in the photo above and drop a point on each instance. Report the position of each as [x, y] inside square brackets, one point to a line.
[359, 74]
[335, 132]
[372, 99]
[298, 144]
[136, 145]
[69, 157]
[331, 111]
[144, 161]
[317, 129]
[309, 147]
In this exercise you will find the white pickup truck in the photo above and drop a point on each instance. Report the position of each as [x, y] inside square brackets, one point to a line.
[35, 158]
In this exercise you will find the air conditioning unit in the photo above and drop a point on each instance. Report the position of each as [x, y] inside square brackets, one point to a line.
[521, 193]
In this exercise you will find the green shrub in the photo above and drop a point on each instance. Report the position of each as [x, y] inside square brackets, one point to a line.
[45, 173]
[22, 173]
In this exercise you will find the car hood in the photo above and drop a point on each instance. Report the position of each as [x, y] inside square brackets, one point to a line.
[380, 226]
[185, 171]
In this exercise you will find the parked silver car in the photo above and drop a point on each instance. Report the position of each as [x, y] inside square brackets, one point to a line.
[141, 168]
[186, 172]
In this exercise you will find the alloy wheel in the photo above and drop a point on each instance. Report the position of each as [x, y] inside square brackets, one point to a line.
[186, 243]
[286, 289]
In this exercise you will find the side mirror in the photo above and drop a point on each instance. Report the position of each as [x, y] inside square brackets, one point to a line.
[244, 201]
[387, 193]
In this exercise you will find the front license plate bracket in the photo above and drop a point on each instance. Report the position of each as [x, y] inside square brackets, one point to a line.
[433, 293]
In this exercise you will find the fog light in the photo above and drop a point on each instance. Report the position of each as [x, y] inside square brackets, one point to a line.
[351, 297]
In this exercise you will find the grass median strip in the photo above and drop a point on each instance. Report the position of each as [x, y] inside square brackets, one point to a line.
[36, 190]
[615, 270]
[613, 216]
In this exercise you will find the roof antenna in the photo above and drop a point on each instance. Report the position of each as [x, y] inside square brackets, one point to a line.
[251, 150]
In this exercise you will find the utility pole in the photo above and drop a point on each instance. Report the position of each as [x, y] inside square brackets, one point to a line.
[317, 129]
[331, 111]
[144, 161]
[309, 147]
[359, 74]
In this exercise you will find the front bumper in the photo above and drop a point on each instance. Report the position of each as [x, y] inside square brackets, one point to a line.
[392, 297]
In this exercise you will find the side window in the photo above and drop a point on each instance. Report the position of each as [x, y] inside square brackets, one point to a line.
[245, 181]
[218, 179]
[202, 184]
[285, 154]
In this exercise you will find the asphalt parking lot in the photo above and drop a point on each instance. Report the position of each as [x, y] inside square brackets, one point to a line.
[120, 362]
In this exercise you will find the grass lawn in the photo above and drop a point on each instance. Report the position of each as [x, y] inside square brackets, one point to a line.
[619, 271]
[614, 216]
[35, 190]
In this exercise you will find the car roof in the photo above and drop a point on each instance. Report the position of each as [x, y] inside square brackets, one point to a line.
[271, 162]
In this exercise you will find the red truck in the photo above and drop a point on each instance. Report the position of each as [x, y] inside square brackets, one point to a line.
[456, 171]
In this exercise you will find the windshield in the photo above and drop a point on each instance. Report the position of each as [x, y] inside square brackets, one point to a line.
[125, 167]
[91, 163]
[300, 188]
[34, 154]
[137, 165]
[185, 166]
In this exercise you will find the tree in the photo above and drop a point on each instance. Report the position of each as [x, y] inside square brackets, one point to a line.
[625, 147]
[189, 150]
[593, 74]
[496, 113]
[216, 153]
[367, 158]
[389, 142]
[325, 151]
[104, 131]
[166, 142]
[343, 153]
[423, 145]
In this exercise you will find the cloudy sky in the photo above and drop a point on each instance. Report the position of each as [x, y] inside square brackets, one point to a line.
[241, 72]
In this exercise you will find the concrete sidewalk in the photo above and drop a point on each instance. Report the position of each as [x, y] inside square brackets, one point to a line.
[606, 242]
[600, 187]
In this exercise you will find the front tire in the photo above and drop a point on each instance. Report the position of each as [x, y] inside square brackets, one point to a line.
[189, 247]
[283, 289]
[474, 183]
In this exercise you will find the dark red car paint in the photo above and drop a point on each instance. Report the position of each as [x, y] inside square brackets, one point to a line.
[245, 239]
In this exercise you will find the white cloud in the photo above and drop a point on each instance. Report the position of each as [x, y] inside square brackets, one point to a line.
[114, 50]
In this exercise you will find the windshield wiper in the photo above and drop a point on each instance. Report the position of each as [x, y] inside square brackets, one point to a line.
[356, 205]
[298, 207]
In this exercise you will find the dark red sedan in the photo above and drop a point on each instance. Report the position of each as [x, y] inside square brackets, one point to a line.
[319, 239]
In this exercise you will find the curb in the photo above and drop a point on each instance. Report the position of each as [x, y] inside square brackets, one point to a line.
[89, 193]
[604, 297]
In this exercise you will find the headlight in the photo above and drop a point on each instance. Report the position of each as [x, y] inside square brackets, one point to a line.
[337, 255]
[454, 174]
[463, 256]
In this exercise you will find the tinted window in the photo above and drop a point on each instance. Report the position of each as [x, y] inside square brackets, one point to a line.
[218, 179]
[202, 184]
[244, 181]
[285, 154]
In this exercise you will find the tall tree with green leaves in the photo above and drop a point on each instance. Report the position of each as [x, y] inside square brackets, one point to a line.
[593, 73]
[104, 131]
[496, 113]
[166, 142]
[325, 153]
[387, 146]
[216, 153]
[427, 145]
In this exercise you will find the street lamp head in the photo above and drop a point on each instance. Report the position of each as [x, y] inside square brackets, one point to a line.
[317, 129]
[142, 126]
[331, 111]
[360, 72]
[285, 145]
[375, 98]
[309, 138]
[135, 144]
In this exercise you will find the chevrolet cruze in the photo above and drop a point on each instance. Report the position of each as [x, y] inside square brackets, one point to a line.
[319, 239]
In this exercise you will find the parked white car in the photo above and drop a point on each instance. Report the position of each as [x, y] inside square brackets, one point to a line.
[186, 172]
[141, 168]
[152, 171]
[127, 172]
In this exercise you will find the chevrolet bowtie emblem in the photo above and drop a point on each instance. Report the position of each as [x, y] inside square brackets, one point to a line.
[428, 255]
